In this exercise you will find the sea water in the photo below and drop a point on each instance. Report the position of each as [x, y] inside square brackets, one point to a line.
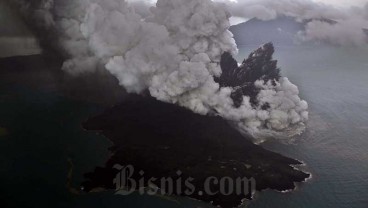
[44, 131]
[334, 81]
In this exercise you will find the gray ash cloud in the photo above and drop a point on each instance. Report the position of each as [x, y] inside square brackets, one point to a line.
[347, 31]
[174, 53]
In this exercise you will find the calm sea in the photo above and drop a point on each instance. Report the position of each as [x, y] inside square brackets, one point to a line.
[334, 81]
[43, 132]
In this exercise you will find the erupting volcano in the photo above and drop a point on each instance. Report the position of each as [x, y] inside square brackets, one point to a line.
[174, 53]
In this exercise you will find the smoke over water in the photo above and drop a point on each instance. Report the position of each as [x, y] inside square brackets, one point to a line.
[347, 29]
[174, 53]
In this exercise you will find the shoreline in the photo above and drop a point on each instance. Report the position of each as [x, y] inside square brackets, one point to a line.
[141, 112]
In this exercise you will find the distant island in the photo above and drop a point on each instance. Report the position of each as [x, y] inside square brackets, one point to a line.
[282, 31]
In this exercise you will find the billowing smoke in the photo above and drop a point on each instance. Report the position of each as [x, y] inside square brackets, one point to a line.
[343, 33]
[173, 53]
[269, 9]
[347, 31]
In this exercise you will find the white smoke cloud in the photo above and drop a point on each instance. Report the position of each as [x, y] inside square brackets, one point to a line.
[348, 31]
[173, 52]
[269, 9]
[344, 33]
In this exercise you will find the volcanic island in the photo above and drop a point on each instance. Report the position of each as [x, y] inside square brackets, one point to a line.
[161, 139]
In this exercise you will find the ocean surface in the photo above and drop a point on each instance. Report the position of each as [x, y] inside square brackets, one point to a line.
[334, 147]
[43, 133]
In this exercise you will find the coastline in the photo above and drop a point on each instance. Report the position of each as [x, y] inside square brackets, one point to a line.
[126, 122]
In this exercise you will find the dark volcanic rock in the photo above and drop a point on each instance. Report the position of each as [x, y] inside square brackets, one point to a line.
[161, 138]
[258, 66]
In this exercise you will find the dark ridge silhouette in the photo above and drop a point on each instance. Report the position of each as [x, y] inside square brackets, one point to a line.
[281, 31]
[258, 66]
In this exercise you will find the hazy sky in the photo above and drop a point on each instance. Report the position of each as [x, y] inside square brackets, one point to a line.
[339, 3]
[344, 3]
[349, 30]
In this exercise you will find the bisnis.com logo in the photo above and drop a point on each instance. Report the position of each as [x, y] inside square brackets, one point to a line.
[128, 181]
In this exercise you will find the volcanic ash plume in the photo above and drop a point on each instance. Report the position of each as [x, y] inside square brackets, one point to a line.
[174, 53]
